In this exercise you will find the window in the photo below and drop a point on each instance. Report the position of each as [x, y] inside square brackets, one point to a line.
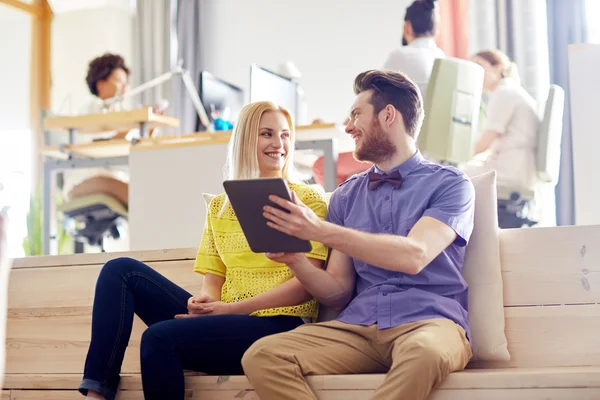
[15, 177]
[592, 14]
[15, 122]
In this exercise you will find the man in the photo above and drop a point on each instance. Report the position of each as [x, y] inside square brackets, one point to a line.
[415, 59]
[4, 274]
[398, 234]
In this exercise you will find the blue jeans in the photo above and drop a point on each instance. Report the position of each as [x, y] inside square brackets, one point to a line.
[213, 345]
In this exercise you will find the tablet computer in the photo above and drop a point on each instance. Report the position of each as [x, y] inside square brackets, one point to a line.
[248, 197]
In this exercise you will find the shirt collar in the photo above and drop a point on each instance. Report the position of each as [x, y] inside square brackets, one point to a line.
[423, 42]
[407, 166]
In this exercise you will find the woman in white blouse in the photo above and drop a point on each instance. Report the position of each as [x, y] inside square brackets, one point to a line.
[511, 123]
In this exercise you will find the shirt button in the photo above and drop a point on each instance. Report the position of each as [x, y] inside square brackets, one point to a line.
[384, 294]
[387, 197]
[387, 228]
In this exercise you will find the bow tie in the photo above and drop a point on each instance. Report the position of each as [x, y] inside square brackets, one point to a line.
[376, 180]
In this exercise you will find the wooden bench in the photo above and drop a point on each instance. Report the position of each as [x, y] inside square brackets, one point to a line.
[551, 307]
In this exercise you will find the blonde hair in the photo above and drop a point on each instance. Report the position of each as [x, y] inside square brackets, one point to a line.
[496, 57]
[242, 160]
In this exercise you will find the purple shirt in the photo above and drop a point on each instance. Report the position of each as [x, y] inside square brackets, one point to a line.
[391, 298]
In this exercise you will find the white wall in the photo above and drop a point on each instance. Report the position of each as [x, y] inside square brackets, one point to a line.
[166, 206]
[329, 41]
[77, 38]
[584, 84]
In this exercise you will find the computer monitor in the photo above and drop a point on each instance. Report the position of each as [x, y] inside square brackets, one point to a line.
[267, 85]
[219, 98]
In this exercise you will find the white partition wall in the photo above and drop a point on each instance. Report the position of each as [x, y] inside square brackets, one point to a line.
[584, 82]
[166, 207]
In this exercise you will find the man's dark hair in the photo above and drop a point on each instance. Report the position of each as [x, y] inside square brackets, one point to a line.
[100, 69]
[396, 89]
[422, 17]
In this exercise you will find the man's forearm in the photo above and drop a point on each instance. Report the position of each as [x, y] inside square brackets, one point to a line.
[391, 252]
[324, 287]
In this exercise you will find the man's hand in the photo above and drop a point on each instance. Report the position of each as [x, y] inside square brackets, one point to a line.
[300, 222]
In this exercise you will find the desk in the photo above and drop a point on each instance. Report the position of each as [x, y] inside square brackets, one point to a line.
[91, 155]
[322, 137]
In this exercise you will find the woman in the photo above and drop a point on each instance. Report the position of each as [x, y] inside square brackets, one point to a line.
[511, 124]
[417, 56]
[244, 296]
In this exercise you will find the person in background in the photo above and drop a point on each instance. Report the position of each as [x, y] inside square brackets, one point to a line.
[414, 59]
[107, 77]
[512, 121]
[397, 235]
[4, 275]
[244, 295]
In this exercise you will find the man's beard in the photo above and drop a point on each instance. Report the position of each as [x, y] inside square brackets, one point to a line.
[375, 146]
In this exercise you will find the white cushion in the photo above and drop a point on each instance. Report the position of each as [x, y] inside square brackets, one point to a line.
[208, 198]
[482, 272]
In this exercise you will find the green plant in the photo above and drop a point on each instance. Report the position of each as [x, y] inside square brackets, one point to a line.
[32, 243]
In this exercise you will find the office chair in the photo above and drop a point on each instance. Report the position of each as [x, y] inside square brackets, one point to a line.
[452, 106]
[514, 204]
[95, 208]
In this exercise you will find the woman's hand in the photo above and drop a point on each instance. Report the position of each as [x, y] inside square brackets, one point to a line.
[197, 303]
[290, 259]
[209, 309]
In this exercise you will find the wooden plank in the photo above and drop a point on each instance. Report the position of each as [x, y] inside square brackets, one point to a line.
[32, 9]
[44, 381]
[40, 80]
[551, 336]
[5, 395]
[557, 265]
[73, 286]
[98, 149]
[46, 345]
[304, 133]
[101, 258]
[55, 337]
[172, 144]
[46, 395]
[111, 121]
[512, 394]
[507, 378]
[492, 394]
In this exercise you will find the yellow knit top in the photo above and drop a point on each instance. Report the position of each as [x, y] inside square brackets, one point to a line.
[224, 251]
